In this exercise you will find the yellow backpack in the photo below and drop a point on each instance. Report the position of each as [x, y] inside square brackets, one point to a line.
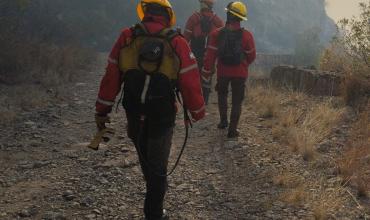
[151, 53]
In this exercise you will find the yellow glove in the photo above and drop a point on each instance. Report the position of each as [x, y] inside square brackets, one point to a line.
[101, 120]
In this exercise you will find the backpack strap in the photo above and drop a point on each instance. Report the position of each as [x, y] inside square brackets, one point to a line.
[169, 34]
[212, 18]
[201, 16]
[139, 29]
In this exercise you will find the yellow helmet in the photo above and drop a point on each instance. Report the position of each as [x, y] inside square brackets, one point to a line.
[163, 3]
[239, 9]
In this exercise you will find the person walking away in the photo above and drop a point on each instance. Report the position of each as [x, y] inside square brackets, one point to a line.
[234, 49]
[151, 60]
[198, 27]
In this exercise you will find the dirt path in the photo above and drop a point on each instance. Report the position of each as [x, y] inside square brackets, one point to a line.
[46, 172]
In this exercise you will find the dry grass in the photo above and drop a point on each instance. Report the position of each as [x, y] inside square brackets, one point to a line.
[354, 164]
[7, 116]
[41, 63]
[329, 201]
[16, 99]
[314, 128]
[303, 141]
[265, 100]
[31, 68]
[287, 180]
[356, 91]
[356, 85]
[32, 99]
[286, 121]
[295, 196]
[304, 130]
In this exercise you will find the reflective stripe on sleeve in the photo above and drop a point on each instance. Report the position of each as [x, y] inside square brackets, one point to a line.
[113, 61]
[212, 47]
[104, 102]
[199, 110]
[249, 51]
[187, 69]
[189, 31]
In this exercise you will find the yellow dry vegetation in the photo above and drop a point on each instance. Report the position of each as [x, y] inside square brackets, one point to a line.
[302, 126]
[315, 126]
[354, 164]
[287, 180]
[328, 201]
[265, 100]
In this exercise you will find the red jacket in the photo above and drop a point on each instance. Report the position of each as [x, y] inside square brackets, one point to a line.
[240, 70]
[189, 83]
[193, 28]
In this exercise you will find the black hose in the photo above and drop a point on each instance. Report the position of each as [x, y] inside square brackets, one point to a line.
[142, 120]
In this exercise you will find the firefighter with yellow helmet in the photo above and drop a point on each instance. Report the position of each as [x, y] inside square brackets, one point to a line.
[234, 49]
[151, 60]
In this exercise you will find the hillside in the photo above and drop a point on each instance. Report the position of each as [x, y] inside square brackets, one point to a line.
[276, 24]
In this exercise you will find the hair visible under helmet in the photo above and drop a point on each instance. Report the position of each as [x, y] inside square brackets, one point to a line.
[232, 18]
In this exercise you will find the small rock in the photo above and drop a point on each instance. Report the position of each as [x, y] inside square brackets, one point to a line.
[65, 105]
[80, 84]
[24, 213]
[367, 159]
[90, 216]
[87, 202]
[28, 212]
[103, 181]
[30, 123]
[68, 195]
[25, 165]
[83, 159]
[54, 216]
[211, 171]
[71, 155]
[39, 164]
[122, 208]
[97, 211]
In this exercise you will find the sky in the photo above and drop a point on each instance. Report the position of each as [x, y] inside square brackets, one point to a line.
[338, 9]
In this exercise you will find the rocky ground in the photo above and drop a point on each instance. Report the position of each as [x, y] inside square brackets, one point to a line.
[46, 171]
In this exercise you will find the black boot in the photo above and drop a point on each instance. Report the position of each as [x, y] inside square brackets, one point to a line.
[164, 216]
[222, 108]
[233, 134]
[223, 125]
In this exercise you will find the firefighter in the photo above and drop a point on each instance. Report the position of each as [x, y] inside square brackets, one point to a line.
[234, 49]
[151, 60]
[198, 27]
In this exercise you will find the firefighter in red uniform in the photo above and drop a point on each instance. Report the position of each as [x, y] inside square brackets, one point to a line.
[197, 29]
[234, 49]
[151, 59]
